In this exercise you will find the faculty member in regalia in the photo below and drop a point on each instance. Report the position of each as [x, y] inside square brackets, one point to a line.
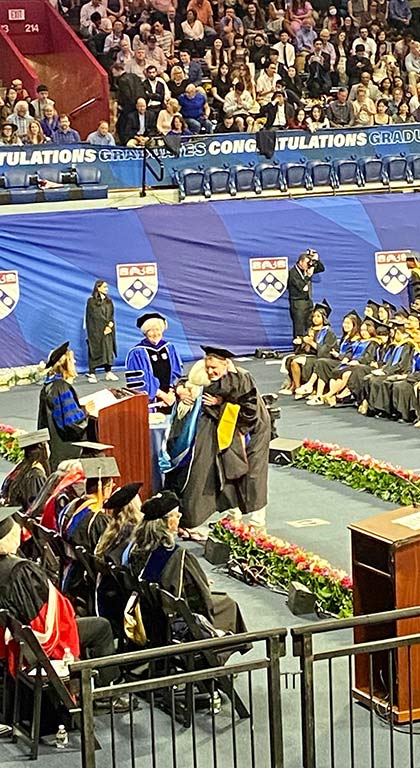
[154, 365]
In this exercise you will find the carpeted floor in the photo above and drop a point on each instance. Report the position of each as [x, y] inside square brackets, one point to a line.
[294, 495]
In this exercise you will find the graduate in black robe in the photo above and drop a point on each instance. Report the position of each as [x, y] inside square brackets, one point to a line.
[26, 480]
[377, 395]
[59, 409]
[156, 558]
[229, 465]
[362, 353]
[100, 326]
[383, 353]
[318, 342]
[405, 401]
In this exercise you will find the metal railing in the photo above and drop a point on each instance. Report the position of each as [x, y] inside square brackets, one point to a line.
[222, 716]
[379, 667]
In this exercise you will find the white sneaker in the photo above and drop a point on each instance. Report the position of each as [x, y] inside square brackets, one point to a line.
[111, 376]
[285, 391]
[91, 378]
[315, 400]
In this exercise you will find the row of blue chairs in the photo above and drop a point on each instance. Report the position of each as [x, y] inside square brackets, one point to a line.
[355, 173]
[17, 185]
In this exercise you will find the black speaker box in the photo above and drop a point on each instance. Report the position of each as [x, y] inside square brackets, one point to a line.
[283, 450]
[301, 599]
[216, 552]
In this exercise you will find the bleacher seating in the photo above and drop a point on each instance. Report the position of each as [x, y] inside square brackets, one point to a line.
[17, 185]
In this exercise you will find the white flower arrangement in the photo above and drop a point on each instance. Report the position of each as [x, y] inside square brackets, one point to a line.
[21, 375]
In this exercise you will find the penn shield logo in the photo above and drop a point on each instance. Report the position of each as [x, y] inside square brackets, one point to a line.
[9, 292]
[138, 283]
[391, 270]
[269, 277]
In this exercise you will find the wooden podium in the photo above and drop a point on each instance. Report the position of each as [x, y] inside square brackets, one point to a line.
[386, 576]
[126, 426]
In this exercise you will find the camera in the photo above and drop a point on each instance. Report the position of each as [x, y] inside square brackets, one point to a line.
[313, 256]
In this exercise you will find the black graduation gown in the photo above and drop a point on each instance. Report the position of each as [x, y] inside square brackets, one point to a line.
[379, 388]
[101, 347]
[356, 382]
[365, 359]
[312, 355]
[237, 476]
[405, 401]
[61, 436]
[29, 486]
[23, 588]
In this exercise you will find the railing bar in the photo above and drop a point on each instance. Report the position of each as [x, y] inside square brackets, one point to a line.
[193, 730]
[351, 714]
[173, 727]
[132, 739]
[232, 717]
[410, 706]
[152, 728]
[331, 710]
[213, 729]
[391, 708]
[112, 721]
[332, 625]
[371, 725]
[374, 646]
[251, 719]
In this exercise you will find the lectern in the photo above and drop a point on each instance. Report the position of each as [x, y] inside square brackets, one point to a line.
[125, 424]
[386, 576]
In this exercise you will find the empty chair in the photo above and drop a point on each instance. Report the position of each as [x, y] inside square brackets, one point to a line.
[395, 168]
[245, 180]
[320, 173]
[22, 186]
[293, 175]
[218, 181]
[190, 181]
[348, 172]
[413, 162]
[269, 176]
[371, 170]
[88, 178]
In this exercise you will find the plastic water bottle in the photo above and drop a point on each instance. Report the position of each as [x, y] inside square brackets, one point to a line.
[68, 659]
[216, 702]
[61, 738]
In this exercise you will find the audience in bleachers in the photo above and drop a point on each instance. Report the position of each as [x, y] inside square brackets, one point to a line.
[350, 63]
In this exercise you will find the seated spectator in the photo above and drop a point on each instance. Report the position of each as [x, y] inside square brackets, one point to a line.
[412, 65]
[125, 514]
[382, 116]
[138, 125]
[35, 134]
[414, 102]
[328, 48]
[397, 99]
[204, 13]
[317, 120]
[226, 124]
[385, 89]
[342, 53]
[385, 65]
[221, 85]
[286, 51]
[9, 102]
[278, 112]
[293, 82]
[177, 82]
[155, 88]
[102, 136]
[298, 122]
[9, 135]
[22, 93]
[136, 65]
[101, 28]
[230, 25]
[116, 10]
[193, 33]
[195, 110]
[259, 54]
[318, 68]
[192, 69]
[304, 42]
[41, 101]
[244, 76]
[155, 55]
[358, 63]
[86, 11]
[402, 115]
[113, 41]
[253, 22]
[215, 56]
[140, 40]
[297, 12]
[364, 108]
[368, 43]
[124, 56]
[49, 122]
[64, 133]
[179, 127]
[28, 477]
[372, 90]
[239, 104]
[357, 10]
[21, 118]
[399, 14]
[239, 53]
[164, 38]
[166, 115]
[266, 84]
[331, 21]
[340, 111]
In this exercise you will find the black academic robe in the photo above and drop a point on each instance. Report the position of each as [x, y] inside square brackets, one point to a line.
[236, 476]
[325, 341]
[356, 382]
[59, 410]
[379, 388]
[178, 571]
[102, 347]
[405, 402]
[30, 485]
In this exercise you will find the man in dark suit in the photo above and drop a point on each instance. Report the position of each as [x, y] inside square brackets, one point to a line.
[139, 125]
[155, 90]
[300, 290]
[192, 69]
[318, 66]
[278, 112]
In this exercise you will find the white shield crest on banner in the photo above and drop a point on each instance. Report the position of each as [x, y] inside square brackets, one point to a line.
[137, 283]
[9, 292]
[391, 270]
[269, 277]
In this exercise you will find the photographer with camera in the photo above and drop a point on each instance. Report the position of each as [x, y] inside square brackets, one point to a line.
[299, 286]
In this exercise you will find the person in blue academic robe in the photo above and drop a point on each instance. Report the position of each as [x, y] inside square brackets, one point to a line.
[154, 365]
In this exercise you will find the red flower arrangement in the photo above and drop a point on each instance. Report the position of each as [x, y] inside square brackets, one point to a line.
[9, 447]
[284, 562]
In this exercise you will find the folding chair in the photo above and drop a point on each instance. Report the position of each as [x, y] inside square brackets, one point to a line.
[31, 657]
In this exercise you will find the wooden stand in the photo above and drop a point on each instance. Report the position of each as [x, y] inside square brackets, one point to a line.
[386, 567]
[126, 426]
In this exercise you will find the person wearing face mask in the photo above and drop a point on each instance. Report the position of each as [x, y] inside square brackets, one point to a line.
[154, 365]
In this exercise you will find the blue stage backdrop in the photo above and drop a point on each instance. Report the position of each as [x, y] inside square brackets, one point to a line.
[218, 271]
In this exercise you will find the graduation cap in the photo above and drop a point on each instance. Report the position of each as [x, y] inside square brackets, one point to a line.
[100, 468]
[388, 305]
[6, 520]
[123, 496]
[402, 312]
[160, 505]
[150, 316]
[56, 353]
[222, 354]
[373, 305]
[414, 313]
[324, 307]
[34, 438]
[91, 449]
[413, 256]
[381, 328]
[398, 321]
[354, 313]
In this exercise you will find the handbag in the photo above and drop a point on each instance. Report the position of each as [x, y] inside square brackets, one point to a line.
[133, 621]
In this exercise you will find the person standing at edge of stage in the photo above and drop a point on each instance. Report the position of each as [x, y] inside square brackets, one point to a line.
[299, 286]
[100, 326]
